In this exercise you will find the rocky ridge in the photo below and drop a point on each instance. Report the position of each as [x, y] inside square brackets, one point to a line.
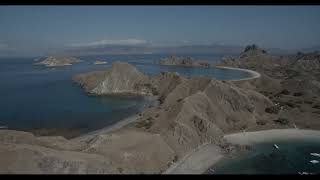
[292, 83]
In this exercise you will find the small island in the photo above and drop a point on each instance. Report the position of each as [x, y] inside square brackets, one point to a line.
[183, 61]
[55, 61]
[100, 62]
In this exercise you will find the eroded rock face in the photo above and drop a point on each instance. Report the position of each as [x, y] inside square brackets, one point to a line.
[124, 78]
[296, 74]
[252, 50]
[21, 152]
[133, 151]
[195, 110]
[202, 110]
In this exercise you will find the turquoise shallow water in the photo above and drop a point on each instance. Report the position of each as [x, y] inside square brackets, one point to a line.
[291, 158]
[39, 98]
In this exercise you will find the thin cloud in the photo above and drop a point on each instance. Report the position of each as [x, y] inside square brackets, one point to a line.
[110, 42]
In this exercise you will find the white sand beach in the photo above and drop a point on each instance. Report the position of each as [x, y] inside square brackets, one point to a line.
[254, 74]
[251, 138]
[200, 160]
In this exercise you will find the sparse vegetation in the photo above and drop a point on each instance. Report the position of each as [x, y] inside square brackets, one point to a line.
[161, 99]
[282, 121]
[290, 104]
[285, 92]
[298, 94]
[308, 102]
[120, 169]
[316, 112]
[261, 123]
[272, 110]
[175, 158]
[145, 123]
[316, 106]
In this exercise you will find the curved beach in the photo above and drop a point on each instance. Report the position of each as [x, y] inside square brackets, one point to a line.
[255, 137]
[254, 74]
[202, 159]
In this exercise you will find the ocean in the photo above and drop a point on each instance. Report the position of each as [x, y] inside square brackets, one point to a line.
[45, 100]
[292, 157]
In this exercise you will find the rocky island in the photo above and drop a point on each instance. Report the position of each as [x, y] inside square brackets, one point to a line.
[191, 114]
[183, 61]
[54, 61]
[100, 62]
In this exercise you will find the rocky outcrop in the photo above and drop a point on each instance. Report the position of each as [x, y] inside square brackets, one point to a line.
[252, 57]
[88, 81]
[252, 50]
[53, 61]
[122, 78]
[306, 61]
[183, 61]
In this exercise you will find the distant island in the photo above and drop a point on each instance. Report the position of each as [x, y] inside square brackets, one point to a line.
[100, 62]
[55, 61]
[183, 61]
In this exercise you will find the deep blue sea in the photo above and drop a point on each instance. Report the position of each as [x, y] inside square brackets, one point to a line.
[42, 99]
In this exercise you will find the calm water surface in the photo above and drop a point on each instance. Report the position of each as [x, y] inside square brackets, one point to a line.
[291, 158]
[41, 99]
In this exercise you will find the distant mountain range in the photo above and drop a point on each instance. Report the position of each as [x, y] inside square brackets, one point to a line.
[152, 49]
[312, 49]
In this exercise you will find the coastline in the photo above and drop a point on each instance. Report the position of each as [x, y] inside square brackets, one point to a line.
[197, 161]
[118, 125]
[254, 74]
[255, 137]
[108, 129]
[200, 160]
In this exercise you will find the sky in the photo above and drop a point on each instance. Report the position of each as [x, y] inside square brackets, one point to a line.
[42, 29]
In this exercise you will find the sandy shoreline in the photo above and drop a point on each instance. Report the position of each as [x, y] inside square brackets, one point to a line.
[197, 161]
[252, 138]
[119, 124]
[200, 160]
[108, 129]
[254, 74]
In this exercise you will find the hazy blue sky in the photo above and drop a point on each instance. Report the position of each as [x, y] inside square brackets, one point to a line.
[25, 29]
